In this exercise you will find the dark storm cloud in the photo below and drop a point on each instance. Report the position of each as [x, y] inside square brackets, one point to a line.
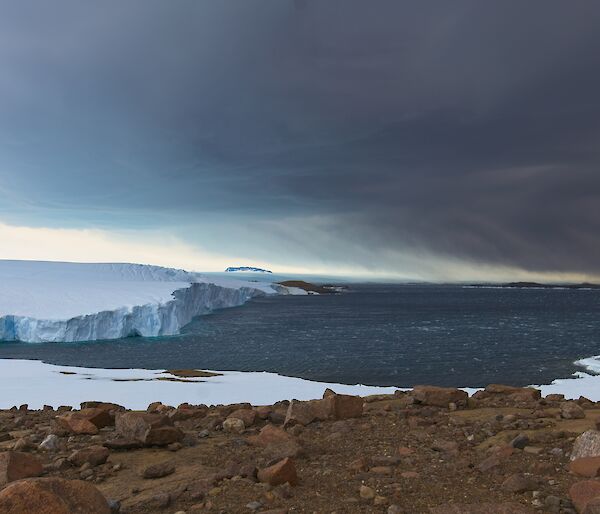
[466, 129]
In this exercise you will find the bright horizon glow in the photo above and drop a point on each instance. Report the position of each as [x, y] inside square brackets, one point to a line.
[158, 248]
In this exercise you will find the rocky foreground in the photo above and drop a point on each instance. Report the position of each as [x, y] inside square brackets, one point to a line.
[432, 450]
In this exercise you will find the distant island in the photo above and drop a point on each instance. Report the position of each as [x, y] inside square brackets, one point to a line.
[233, 269]
[537, 285]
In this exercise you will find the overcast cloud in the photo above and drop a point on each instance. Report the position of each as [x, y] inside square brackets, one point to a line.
[361, 134]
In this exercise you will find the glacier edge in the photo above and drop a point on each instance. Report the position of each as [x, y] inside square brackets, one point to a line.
[153, 319]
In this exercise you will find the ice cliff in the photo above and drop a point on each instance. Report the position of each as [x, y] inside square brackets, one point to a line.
[48, 301]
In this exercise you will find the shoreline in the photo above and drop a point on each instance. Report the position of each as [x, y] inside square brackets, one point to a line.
[37, 383]
[430, 450]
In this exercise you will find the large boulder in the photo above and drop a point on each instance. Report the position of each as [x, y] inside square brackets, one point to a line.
[148, 429]
[586, 445]
[52, 496]
[584, 492]
[439, 396]
[17, 465]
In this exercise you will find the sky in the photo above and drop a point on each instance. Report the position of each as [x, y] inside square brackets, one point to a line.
[387, 139]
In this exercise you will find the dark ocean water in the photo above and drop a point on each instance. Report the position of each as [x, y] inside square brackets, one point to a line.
[376, 334]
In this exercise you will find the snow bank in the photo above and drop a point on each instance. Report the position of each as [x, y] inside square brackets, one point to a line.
[39, 384]
[581, 384]
[57, 301]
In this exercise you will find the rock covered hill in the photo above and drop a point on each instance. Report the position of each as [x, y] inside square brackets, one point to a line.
[505, 450]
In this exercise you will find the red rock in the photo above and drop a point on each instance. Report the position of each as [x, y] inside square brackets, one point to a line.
[280, 473]
[592, 507]
[271, 434]
[16, 465]
[149, 429]
[439, 396]
[581, 493]
[75, 424]
[248, 416]
[52, 496]
[585, 466]
[403, 451]
[95, 455]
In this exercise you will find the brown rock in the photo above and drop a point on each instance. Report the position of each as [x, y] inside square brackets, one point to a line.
[441, 445]
[519, 483]
[593, 506]
[248, 416]
[16, 465]
[159, 470]
[72, 422]
[163, 436]
[516, 393]
[149, 429]
[111, 407]
[343, 406]
[279, 473]
[271, 434]
[303, 413]
[52, 496]
[482, 508]
[95, 455]
[366, 492]
[586, 445]
[571, 410]
[439, 396]
[585, 466]
[581, 493]
[495, 459]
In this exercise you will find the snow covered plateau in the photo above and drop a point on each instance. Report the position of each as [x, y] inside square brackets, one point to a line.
[59, 301]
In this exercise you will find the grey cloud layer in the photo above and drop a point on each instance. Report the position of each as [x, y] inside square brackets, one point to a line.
[465, 129]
